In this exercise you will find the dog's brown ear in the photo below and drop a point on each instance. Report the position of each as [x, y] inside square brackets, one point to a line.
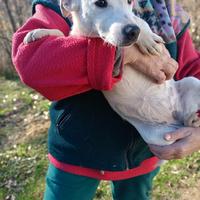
[67, 6]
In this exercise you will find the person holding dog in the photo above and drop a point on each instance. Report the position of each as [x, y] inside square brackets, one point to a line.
[88, 141]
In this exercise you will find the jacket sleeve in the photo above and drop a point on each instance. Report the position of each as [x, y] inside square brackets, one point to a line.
[59, 67]
[188, 58]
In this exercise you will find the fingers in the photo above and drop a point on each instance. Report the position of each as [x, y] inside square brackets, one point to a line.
[179, 134]
[170, 69]
[160, 77]
[162, 152]
[154, 50]
[143, 50]
[166, 64]
[163, 69]
[174, 151]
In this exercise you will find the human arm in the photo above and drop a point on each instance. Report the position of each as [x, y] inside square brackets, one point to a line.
[59, 67]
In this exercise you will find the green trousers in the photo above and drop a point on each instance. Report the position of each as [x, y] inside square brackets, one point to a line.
[65, 186]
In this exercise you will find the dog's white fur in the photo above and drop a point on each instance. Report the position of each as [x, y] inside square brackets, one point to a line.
[153, 109]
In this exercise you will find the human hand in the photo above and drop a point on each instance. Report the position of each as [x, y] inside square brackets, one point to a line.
[159, 68]
[187, 141]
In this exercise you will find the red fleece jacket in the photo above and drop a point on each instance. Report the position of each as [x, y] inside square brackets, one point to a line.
[188, 58]
[59, 67]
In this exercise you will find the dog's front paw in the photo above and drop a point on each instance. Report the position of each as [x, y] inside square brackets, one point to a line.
[149, 43]
[40, 33]
[34, 35]
[193, 120]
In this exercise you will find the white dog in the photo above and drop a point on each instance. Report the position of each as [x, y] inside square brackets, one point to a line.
[153, 109]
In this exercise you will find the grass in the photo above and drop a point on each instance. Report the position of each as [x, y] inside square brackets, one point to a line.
[23, 151]
[22, 171]
[23, 160]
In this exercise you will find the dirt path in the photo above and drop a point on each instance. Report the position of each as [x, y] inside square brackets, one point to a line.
[192, 193]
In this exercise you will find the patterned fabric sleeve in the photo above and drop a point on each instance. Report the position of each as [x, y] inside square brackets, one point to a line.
[165, 17]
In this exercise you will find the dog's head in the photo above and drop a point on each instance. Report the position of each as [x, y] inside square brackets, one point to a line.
[111, 20]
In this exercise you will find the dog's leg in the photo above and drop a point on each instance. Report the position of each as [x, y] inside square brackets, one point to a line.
[193, 120]
[148, 41]
[40, 33]
[189, 91]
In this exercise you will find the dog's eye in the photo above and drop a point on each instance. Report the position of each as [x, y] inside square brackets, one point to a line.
[129, 1]
[101, 3]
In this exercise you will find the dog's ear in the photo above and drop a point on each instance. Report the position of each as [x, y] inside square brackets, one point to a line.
[67, 6]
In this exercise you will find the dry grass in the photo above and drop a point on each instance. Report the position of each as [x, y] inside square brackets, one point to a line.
[192, 7]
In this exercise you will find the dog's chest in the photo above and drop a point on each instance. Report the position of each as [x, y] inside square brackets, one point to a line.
[137, 96]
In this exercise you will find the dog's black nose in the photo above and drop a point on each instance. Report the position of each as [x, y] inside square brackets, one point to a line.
[131, 32]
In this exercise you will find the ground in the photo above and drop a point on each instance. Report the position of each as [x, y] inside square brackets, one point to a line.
[192, 7]
[23, 152]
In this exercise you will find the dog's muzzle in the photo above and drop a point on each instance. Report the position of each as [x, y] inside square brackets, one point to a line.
[130, 34]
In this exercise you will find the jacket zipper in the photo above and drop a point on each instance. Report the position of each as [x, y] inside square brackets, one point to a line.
[131, 146]
[126, 161]
[64, 117]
